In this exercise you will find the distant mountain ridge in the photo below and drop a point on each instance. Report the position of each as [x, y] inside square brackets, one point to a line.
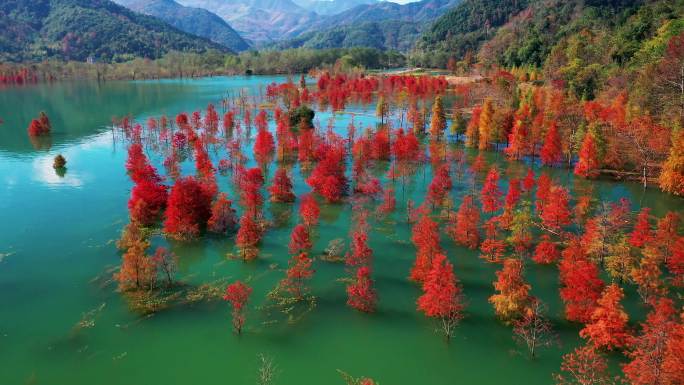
[79, 29]
[259, 20]
[331, 7]
[382, 25]
[197, 21]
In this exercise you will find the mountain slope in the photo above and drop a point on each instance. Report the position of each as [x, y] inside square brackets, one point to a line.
[196, 21]
[390, 34]
[77, 29]
[465, 27]
[259, 20]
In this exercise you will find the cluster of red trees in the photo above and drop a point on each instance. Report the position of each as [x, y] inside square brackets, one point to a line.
[513, 220]
[18, 77]
[39, 126]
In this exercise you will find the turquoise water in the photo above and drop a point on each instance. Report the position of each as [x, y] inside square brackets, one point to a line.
[57, 254]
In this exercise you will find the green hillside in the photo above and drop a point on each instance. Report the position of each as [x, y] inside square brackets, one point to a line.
[78, 29]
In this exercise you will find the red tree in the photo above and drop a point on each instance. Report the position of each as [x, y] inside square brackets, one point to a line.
[248, 237]
[309, 210]
[297, 274]
[389, 202]
[360, 254]
[441, 296]
[440, 186]
[465, 230]
[555, 212]
[299, 240]
[491, 194]
[584, 366]
[222, 217]
[588, 163]
[528, 182]
[642, 233]
[512, 296]
[551, 152]
[360, 293]
[546, 251]
[40, 126]
[264, 145]
[188, 209]
[581, 285]
[609, 321]
[425, 236]
[648, 352]
[281, 189]
[237, 293]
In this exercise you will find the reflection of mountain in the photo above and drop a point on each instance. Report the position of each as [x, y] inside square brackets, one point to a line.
[77, 109]
[196, 21]
[259, 20]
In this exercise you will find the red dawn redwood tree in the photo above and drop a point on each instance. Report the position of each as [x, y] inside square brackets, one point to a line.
[309, 210]
[581, 285]
[546, 251]
[425, 236]
[360, 254]
[299, 240]
[188, 209]
[673, 364]
[491, 194]
[281, 189]
[237, 293]
[223, 218]
[465, 229]
[360, 292]
[248, 237]
[206, 173]
[528, 182]
[40, 126]
[442, 297]
[584, 366]
[296, 276]
[588, 163]
[642, 232]
[389, 202]
[551, 152]
[555, 213]
[648, 352]
[608, 328]
[512, 296]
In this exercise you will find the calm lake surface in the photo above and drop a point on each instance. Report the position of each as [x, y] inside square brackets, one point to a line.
[57, 252]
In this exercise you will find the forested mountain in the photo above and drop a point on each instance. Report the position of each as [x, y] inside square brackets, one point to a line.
[548, 33]
[78, 29]
[382, 25]
[197, 21]
[390, 34]
[259, 20]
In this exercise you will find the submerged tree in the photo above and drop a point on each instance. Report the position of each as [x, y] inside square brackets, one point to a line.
[512, 298]
[607, 328]
[442, 297]
[584, 366]
[533, 329]
[360, 292]
[237, 293]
